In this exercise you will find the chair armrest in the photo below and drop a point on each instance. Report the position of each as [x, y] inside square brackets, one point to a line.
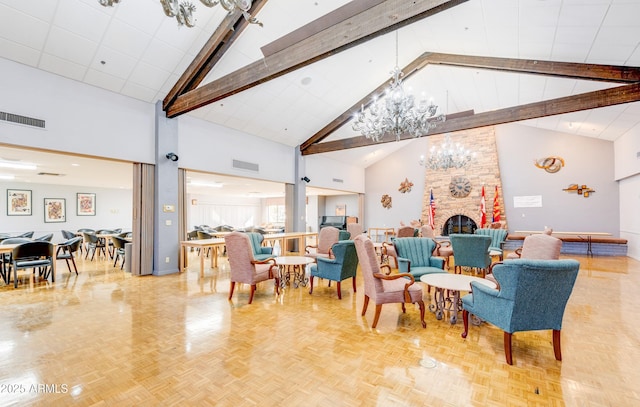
[267, 261]
[436, 262]
[306, 248]
[481, 290]
[404, 265]
[407, 296]
[386, 266]
[265, 250]
[326, 260]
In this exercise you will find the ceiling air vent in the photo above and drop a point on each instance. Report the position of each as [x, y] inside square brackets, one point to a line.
[338, 180]
[51, 174]
[16, 118]
[243, 165]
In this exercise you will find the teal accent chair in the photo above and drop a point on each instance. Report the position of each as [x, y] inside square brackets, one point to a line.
[342, 266]
[415, 256]
[344, 235]
[531, 296]
[471, 251]
[260, 252]
[498, 236]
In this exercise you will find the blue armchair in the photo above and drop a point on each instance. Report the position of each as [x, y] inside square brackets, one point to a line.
[342, 266]
[531, 295]
[498, 236]
[415, 256]
[260, 252]
[470, 251]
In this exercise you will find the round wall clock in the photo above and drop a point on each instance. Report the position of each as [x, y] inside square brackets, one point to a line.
[460, 187]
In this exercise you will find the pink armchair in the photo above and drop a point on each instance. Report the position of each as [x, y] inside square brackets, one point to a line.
[244, 267]
[327, 237]
[382, 288]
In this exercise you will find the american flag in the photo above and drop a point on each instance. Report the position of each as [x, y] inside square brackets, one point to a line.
[432, 211]
[496, 206]
[483, 210]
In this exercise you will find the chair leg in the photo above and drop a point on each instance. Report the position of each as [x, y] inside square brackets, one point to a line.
[421, 305]
[310, 284]
[339, 290]
[556, 344]
[507, 347]
[233, 285]
[75, 268]
[377, 316]
[354, 283]
[465, 319]
[365, 305]
[253, 290]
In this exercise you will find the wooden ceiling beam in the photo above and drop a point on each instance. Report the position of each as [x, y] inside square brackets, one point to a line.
[364, 26]
[218, 44]
[608, 73]
[590, 100]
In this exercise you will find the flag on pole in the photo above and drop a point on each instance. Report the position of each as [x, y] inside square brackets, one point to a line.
[483, 210]
[432, 211]
[496, 207]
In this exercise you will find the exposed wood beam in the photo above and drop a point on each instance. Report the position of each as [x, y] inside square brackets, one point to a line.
[220, 41]
[370, 23]
[608, 73]
[590, 100]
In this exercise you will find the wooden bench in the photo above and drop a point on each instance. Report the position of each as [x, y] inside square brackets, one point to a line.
[578, 242]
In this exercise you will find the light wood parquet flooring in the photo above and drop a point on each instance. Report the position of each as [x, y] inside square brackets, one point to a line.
[105, 338]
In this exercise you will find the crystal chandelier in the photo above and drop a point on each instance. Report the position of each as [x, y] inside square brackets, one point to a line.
[448, 155]
[396, 112]
[183, 12]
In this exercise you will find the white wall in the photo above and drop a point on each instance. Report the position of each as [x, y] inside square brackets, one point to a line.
[79, 118]
[630, 214]
[324, 173]
[113, 210]
[627, 151]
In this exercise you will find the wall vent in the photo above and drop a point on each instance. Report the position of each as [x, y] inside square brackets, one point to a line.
[338, 180]
[51, 174]
[243, 165]
[27, 121]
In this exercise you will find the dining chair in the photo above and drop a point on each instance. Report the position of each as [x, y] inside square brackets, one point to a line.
[384, 288]
[93, 244]
[5, 258]
[67, 234]
[45, 238]
[66, 250]
[118, 250]
[80, 232]
[33, 255]
[343, 265]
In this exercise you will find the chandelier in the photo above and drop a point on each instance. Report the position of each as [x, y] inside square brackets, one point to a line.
[448, 155]
[396, 112]
[183, 12]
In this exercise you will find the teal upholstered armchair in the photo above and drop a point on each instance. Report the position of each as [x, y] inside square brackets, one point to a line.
[471, 251]
[498, 236]
[260, 252]
[342, 266]
[415, 256]
[531, 296]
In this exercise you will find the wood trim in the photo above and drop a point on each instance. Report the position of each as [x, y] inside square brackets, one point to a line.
[590, 100]
[370, 23]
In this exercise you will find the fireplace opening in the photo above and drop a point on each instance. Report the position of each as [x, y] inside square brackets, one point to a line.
[459, 224]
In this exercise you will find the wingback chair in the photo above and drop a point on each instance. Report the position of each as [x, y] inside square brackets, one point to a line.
[327, 237]
[342, 266]
[532, 295]
[389, 250]
[260, 252]
[498, 236]
[383, 288]
[443, 249]
[244, 268]
[539, 246]
[415, 256]
[471, 251]
[354, 229]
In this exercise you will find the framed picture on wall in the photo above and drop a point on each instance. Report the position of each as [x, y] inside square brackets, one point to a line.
[86, 204]
[55, 210]
[341, 210]
[18, 202]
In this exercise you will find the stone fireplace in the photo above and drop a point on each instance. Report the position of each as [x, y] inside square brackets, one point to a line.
[484, 170]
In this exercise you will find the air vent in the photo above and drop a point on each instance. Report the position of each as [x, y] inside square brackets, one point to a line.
[51, 174]
[243, 165]
[338, 180]
[16, 118]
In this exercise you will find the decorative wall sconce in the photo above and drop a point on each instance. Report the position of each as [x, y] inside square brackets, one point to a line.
[581, 190]
[405, 186]
[550, 164]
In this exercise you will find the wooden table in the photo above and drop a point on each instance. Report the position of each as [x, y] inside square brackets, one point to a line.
[203, 245]
[386, 232]
[452, 284]
[285, 263]
[586, 236]
[301, 237]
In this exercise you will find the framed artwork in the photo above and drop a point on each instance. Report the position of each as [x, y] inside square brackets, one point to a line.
[55, 210]
[341, 210]
[86, 205]
[18, 202]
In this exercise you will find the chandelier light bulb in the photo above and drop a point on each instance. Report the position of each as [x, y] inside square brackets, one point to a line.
[447, 156]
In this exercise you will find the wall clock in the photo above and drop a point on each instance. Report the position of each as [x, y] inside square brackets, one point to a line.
[460, 187]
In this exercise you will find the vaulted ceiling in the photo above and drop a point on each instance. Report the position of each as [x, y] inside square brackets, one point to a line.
[298, 83]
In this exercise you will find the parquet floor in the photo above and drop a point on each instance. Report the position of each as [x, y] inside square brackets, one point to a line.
[104, 338]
